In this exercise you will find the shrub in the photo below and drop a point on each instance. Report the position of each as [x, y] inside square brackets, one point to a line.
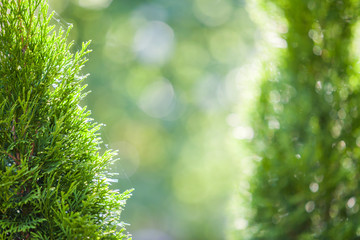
[53, 181]
[307, 127]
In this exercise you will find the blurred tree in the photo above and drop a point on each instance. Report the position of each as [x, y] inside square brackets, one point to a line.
[307, 126]
[53, 182]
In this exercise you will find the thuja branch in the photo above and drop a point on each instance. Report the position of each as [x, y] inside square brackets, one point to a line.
[51, 172]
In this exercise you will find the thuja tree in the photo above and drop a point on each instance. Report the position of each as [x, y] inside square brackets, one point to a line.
[52, 175]
[307, 127]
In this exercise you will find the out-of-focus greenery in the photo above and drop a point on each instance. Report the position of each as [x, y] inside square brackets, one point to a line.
[164, 78]
[307, 125]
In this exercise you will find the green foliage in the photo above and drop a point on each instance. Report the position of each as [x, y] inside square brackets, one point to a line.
[52, 182]
[307, 119]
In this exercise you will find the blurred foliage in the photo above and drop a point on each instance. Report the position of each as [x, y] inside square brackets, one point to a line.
[164, 78]
[306, 123]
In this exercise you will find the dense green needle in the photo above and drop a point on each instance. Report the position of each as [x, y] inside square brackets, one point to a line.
[52, 176]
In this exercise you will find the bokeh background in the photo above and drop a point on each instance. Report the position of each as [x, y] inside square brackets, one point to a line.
[169, 81]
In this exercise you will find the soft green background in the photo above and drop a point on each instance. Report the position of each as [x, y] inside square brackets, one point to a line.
[167, 78]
